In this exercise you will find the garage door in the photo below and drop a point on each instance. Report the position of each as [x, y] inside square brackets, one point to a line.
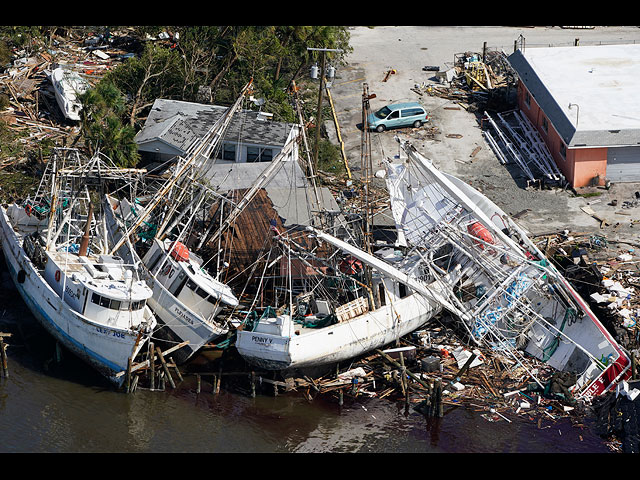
[623, 164]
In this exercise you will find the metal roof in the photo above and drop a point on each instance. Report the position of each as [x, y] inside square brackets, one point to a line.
[601, 82]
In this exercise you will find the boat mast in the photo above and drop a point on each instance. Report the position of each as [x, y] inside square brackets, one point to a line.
[203, 147]
[366, 169]
[311, 172]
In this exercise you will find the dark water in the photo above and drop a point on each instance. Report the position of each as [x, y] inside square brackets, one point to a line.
[67, 408]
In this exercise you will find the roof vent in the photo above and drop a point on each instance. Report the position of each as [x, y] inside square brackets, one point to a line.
[263, 116]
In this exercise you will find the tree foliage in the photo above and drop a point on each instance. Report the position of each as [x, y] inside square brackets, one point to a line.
[217, 59]
[103, 110]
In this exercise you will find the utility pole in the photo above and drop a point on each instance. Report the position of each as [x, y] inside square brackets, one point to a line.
[320, 92]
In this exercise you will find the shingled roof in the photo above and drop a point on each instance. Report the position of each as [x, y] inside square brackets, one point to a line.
[179, 124]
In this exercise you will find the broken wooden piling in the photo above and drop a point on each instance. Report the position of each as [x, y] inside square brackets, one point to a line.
[3, 354]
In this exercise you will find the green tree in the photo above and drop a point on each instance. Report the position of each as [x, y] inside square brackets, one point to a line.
[103, 129]
[155, 74]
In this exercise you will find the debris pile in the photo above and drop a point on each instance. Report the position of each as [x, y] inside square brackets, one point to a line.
[432, 371]
[31, 108]
[606, 273]
[474, 81]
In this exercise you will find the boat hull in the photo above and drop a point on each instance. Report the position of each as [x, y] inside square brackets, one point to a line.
[106, 349]
[177, 323]
[339, 342]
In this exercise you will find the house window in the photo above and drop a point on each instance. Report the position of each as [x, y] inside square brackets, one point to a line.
[257, 154]
[545, 125]
[563, 150]
[527, 100]
[229, 152]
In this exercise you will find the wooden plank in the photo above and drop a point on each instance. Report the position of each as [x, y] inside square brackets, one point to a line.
[146, 363]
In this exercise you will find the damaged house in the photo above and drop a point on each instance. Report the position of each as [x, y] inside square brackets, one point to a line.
[252, 140]
[583, 101]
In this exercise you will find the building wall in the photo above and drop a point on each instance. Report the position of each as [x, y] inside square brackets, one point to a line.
[590, 164]
[579, 165]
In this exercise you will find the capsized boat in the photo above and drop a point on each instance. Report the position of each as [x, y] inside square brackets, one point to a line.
[89, 301]
[507, 295]
[67, 85]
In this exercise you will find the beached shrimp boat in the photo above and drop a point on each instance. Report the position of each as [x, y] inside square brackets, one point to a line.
[89, 301]
[339, 317]
[507, 294]
[186, 298]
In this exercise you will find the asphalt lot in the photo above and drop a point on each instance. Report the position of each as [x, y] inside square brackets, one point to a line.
[407, 49]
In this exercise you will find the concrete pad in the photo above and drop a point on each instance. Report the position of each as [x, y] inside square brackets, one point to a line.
[407, 49]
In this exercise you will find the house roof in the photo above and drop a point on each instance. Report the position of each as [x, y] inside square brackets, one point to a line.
[235, 176]
[601, 80]
[179, 124]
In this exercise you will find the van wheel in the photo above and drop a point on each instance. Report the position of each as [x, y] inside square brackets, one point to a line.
[380, 128]
[417, 124]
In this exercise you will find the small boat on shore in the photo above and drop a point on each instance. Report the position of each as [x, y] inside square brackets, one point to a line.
[67, 85]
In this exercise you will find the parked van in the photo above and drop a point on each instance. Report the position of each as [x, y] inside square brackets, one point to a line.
[398, 115]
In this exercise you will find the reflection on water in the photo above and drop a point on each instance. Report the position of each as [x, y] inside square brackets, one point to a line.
[68, 407]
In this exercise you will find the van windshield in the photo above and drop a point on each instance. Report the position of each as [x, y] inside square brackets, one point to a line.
[383, 112]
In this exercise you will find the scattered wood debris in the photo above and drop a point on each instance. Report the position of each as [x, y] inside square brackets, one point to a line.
[31, 107]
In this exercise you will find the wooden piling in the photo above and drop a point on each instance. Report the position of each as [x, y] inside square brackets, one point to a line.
[152, 365]
[175, 366]
[165, 368]
[58, 353]
[128, 381]
[252, 379]
[405, 383]
[3, 355]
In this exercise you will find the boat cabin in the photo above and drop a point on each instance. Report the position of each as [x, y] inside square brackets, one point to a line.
[181, 274]
[97, 286]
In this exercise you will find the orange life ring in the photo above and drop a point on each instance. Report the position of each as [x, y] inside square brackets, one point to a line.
[479, 231]
[57, 275]
[28, 209]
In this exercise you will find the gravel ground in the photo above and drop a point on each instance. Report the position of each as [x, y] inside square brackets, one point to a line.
[407, 49]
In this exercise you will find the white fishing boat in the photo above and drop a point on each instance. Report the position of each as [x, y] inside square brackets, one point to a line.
[67, 85]
[89, 301]
[507, 295]
[282, 343]
[186, 298]
[321, 328]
